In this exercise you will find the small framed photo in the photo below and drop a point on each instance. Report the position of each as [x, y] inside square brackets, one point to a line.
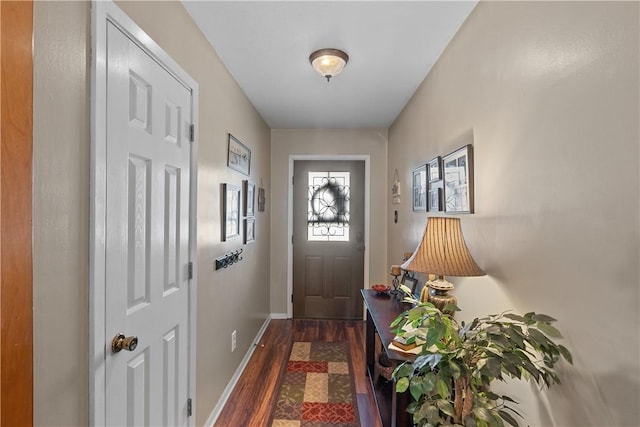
[230, 212]
[249, 230]
[420, 188]
[434, 169]
[238, 156]
[458, 180]
[410, 283]
[249, 198]
[435, 200]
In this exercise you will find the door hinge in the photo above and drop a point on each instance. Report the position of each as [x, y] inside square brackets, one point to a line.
[292, 239]
[292, 180]
[189, 407]
[292, 298]
[190, 270]
[192, 133]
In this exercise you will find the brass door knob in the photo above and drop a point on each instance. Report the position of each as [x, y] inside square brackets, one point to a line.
[120, 342]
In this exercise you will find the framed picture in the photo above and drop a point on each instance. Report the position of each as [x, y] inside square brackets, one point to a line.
[458, 180]
[249, 198]
[238, 156]
[249, 230]
[410, 283]
[395, 188]
[434, 169]
[420, 188]
[435, 200]
[230, 212]
[262, 199]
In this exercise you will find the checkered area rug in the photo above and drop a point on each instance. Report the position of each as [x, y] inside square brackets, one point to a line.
[317, 388]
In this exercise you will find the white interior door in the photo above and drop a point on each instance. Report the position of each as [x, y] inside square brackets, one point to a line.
[147, 238]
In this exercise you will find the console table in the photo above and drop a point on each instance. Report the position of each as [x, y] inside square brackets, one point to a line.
[381, 311]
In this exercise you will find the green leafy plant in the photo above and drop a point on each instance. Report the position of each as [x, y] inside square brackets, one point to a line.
[450, 379]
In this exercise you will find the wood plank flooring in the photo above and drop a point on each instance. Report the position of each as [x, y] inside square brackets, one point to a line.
[253, 397]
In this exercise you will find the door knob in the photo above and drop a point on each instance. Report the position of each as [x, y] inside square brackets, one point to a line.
[120, 342]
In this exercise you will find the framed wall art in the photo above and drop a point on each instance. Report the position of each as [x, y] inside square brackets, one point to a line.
[434, 203]
[238, 156]
[230, 212]
[395, 188]
[262, 199]
[249, 230]
[420, 188]
[458, 180]
[249, 198]
[434, 169]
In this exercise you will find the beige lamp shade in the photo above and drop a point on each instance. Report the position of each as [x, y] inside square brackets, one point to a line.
[443, 251]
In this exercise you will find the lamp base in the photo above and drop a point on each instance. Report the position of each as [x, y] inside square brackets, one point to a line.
[438, 295]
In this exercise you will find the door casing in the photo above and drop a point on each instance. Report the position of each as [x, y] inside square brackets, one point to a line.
[367, 215]
[103, 11]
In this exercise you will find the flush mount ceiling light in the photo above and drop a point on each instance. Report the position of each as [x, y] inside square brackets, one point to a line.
[328, 62]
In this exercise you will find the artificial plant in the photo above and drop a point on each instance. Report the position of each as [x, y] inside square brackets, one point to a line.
[450, 379]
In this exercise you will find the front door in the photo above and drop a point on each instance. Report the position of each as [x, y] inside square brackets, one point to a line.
[328, 239]
[147, 238]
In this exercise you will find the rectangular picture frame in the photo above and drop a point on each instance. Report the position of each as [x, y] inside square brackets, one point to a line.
[419, 183]
[458, 180]
[238, 156]
[434, 169]
[435, 200]
[262, 199]
[230, 211]
[249, 198]
[249, 230]
[410, 282]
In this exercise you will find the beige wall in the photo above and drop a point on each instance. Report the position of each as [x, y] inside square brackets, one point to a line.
[287, 142]
[61, 213]
[548, 94]
[236, 298]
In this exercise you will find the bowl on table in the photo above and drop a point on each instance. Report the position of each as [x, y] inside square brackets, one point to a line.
[380, 288]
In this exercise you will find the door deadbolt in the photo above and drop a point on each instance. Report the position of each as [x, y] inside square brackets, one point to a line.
[120, 342]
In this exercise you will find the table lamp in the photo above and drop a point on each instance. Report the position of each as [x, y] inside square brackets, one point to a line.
[442, 252]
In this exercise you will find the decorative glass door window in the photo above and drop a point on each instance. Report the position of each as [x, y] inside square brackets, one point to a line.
[328, 217]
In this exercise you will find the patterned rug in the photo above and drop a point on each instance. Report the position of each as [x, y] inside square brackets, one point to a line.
[317, 388]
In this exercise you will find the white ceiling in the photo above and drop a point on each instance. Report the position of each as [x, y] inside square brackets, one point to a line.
[392, 45]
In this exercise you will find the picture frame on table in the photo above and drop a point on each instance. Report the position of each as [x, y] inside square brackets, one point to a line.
[238, 156]
[249, 198]
[230, 211]
[420, 188]
[410, 282]
[458, 180]
[249, 230]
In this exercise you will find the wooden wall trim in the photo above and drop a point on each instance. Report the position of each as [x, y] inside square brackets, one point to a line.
[16, 258]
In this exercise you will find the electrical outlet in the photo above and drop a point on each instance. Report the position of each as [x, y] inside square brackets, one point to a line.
[233, 340]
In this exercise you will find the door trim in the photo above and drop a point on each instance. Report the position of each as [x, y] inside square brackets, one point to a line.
[103, 12]
[367, 214]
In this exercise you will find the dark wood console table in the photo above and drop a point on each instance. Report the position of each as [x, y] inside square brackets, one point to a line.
[381, 311]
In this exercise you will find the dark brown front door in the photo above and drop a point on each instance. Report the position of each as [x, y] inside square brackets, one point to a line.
[328, 239]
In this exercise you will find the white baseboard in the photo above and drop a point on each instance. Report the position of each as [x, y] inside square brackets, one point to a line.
[279, 316]
[215, 413]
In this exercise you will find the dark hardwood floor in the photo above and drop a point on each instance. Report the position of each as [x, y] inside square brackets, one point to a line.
[253, 397]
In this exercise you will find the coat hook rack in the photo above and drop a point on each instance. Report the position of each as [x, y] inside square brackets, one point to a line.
[228, 259]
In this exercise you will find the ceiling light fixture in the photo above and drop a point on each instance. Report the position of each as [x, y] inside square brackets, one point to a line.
[328, 62]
